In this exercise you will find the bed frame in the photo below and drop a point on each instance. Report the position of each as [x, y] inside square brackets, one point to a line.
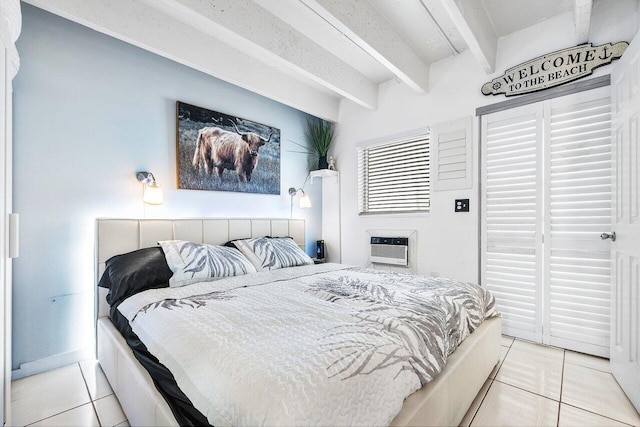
[444, 401]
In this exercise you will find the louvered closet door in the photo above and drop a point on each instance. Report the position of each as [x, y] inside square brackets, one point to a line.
[577, 271]
[546, 198]
[511, 227]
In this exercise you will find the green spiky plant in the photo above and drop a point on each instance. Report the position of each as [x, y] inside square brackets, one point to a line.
[319, 135]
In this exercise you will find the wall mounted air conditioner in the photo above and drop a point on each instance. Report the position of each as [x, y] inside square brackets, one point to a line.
[390, 250]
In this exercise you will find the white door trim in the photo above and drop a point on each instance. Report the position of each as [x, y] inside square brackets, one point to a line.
[10, 27]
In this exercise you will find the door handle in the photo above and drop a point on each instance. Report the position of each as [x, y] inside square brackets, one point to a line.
[612, 236]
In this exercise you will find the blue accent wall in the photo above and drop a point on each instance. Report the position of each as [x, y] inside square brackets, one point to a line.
[90, 111]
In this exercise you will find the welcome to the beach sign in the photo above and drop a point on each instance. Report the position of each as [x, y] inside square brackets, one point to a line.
[554, 69]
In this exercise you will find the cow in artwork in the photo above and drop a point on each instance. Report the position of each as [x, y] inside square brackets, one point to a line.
[221, 149]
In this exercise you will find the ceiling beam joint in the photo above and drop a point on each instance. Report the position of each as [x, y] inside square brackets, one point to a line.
[582, 15]
[473, 23]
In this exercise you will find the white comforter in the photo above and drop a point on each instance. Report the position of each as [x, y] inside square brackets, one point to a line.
[312, 345]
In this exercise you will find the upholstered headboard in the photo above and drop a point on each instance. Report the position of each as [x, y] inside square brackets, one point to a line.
[118, 236]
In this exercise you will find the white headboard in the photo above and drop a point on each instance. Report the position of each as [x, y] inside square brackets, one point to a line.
[118, 236]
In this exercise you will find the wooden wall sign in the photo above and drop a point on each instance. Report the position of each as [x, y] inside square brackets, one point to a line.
[554, 69]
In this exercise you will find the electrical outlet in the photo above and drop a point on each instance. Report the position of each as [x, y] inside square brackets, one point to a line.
[462, 205]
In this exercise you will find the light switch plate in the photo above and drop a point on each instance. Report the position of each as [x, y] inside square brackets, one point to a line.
[462, 205]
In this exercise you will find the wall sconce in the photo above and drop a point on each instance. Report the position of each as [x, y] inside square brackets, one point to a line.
[305, 200]
[152, 191]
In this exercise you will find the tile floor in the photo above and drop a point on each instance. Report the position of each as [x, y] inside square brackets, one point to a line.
[533, 385]
[76, 395]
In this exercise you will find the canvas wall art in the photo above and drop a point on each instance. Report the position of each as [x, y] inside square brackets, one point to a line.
[220, 152]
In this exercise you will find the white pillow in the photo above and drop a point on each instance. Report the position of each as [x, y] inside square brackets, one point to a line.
[271, 253]
[199, 262]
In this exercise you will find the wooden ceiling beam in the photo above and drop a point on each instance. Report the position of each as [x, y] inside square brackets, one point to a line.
[474, 25]
[370, 31]
[253, 30]
[582, 15]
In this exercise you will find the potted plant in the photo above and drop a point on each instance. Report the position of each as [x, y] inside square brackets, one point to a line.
[319, 135]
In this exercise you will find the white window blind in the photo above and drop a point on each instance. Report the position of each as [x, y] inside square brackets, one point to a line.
[546, 197]
[394, 177]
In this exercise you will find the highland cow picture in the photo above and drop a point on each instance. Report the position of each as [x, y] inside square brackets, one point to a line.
[220, 152]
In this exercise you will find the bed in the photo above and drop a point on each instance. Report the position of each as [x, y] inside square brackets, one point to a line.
[442, 401]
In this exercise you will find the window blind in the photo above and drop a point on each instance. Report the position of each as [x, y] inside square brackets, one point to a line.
[394, 177]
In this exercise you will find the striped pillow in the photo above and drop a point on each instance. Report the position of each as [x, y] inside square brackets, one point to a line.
[199, 262]
[271, 253]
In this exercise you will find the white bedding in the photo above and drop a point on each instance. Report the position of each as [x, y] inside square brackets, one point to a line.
[311, 345]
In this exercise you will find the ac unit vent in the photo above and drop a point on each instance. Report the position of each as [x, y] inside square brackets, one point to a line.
[389, 250]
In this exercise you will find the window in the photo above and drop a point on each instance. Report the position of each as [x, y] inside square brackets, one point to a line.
[394, 176]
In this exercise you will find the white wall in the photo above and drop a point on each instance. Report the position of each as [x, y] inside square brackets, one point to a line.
[448, 241]
[89, 112]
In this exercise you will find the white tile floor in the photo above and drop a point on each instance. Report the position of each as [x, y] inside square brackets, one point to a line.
[76, 395]
[533, 385]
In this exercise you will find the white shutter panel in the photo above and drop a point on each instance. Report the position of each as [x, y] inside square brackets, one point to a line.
[511, 226]
[578, 210]
[452, 156]
[394, 176]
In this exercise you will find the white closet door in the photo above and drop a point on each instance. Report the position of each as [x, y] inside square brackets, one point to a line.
[546, 198]
[511, 226]
[625, 254]
[577, 268]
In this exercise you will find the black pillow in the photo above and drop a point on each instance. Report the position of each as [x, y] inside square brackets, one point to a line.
[231, 243]
[134, 272]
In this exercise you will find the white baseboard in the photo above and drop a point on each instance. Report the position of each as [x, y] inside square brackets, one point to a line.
[48, 363]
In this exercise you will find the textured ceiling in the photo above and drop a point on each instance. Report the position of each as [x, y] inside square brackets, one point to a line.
[509, 16]
[312, 54]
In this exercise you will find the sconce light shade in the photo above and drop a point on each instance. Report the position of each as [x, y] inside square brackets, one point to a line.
[153, 194]
[152, 191]
[305, 201]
